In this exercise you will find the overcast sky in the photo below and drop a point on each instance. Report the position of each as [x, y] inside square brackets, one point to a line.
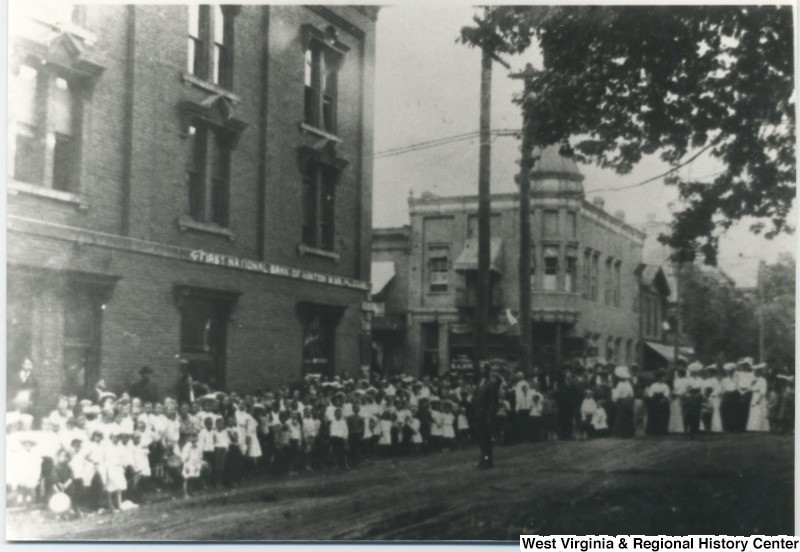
[427, 87]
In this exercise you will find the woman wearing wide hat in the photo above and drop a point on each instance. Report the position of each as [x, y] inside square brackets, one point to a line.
[657, 403]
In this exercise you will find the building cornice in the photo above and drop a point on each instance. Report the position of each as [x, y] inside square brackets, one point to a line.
[83, 237]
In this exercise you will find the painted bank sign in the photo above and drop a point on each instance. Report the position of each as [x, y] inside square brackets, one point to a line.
[250, 265]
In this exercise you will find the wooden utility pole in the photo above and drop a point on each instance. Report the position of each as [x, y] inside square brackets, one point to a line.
[524, 181]
[679, 266]
[484, 211]
[760, 311]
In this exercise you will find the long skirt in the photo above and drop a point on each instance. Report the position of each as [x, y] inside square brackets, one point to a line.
[692, 407]
[716, 417]
[727, 409]
[624, 422]
[676, 416]
[658, 409]
[757, 419]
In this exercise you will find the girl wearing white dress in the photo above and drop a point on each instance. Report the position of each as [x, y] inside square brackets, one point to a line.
[447, 422]
[758, 416]
[192, 457]
[114, 454]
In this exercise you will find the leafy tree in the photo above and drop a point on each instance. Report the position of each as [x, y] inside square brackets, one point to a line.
[778, 311]
[718, 318]
[679, 81]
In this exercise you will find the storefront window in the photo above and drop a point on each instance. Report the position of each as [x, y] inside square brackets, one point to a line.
[204, 337]
[82, 330]
[319, 338]
[430, 353]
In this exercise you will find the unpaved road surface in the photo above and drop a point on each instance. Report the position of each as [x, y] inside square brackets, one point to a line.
[731, 484]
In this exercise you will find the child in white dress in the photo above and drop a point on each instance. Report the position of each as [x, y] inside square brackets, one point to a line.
[192, 457]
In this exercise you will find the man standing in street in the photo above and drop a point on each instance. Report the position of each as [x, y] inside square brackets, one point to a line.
[485, 402]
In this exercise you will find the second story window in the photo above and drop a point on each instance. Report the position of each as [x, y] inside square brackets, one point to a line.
[551, 268]
[211, 43]
[533, 267]
[608, 287]
[551, 223]
[617, 283]
[319, 206]
[595, 273]
[571, 270]
[587, 273]
[323, 56]
[45, 138]
[439, 267]
[208, 174]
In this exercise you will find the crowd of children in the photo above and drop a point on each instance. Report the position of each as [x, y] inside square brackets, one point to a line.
[106, 455]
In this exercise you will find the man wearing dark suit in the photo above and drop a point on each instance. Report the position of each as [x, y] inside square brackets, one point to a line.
[485, 401]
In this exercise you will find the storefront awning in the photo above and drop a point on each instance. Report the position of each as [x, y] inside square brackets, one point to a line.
[382, 274]
[468, 260]
[668, 351]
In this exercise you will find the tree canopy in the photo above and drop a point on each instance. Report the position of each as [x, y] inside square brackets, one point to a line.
[723, 321]
[622, 82]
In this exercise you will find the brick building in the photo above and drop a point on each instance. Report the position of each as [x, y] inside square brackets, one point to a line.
[585, 282]
[190, 185]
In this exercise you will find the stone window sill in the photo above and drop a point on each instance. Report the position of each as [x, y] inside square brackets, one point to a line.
[188, 78]
[79, 201]
[187, 223]
[311, 129]
[303, 249]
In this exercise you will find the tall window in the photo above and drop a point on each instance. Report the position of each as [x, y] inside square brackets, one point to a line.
[617, 278]
[533, 267]
[82, 330]
[550, 223]
[208, 174]
[595, 275]
[572, 224]
[551, 268]
[19, 325]
[204, 338]
[607, 287]
[319, 206]
[321, 74]
[319, 340]
[210, 43]
[571, 270]
[430, 351]
[45, 115]
[439, 267]
[587, 273]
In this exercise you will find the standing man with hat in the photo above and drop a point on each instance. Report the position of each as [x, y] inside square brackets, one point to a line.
[485, 403]
[145, 389]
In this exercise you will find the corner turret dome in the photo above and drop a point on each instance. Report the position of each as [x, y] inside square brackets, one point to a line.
[555, 174]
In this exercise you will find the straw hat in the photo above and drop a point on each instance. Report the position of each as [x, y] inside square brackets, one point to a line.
[695, 367]
[729, 366]
[622, 372]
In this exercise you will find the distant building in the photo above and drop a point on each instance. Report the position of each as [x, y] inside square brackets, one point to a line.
[585, 280]
[190, 185]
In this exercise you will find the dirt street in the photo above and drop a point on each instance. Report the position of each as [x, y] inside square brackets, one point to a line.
[731, 484]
